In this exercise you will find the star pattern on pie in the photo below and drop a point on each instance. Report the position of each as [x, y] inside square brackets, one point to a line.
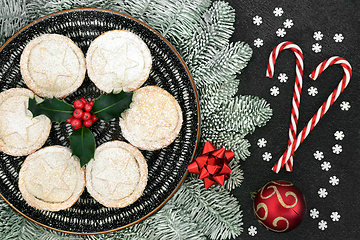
[50, 178]
[152, 115]
[117, 62]
[18, 121]
[52, 66]
[115, 173]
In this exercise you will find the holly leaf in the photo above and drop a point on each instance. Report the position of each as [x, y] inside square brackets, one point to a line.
[82, 143]
[55, 109]
[110, 106]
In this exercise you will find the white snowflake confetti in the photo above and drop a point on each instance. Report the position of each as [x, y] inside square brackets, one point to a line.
[325, 166]
[288, 23]
[319, 155]
[252, 230]
[316, 47]
[338, 37]
[283, 77]
[334, 180]
[314, 213]
[267, 156]
[322, 225]
[257, 20]
[274, 91]
[322, 192]
[318, 36]
[339, 135]
[335, 216]
[261, 142]
[281, 32]
[278, 11]
[345, 106]
[312, 91]
[337, 149]
[258, 42]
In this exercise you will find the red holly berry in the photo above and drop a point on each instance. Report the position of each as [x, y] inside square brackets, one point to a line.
[78, 104]
[88, 107]
[76, 123]
[91, 103]
[94, 118]
[88, 123]
[78, 113]
[86, 116]
[83, 100]
[69, 120]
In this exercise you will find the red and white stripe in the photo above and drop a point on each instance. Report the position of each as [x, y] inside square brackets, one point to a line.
[297, 89]
[322, 110]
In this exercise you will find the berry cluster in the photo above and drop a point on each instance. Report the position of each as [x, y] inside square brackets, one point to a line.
[82, 115]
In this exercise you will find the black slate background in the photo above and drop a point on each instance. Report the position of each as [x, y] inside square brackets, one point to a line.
[329, 17]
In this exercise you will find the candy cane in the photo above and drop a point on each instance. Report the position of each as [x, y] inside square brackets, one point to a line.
[297, 89]
[322, 110]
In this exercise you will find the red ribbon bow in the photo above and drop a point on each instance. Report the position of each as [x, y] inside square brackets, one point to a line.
[212, 165]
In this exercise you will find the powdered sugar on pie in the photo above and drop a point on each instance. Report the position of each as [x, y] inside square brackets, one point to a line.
[51, 179]
[20, 133]
[153, 120]
[118, 60]
[117, 175]
[52, 66]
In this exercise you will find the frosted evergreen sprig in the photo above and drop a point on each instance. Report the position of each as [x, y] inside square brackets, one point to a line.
[39, 8]
[10, 223]
[217, 77]
[251, 112]
[170, 224]
[13, 16]
[176, 20]
[215, 210]
[236, 176]
[227, 125]
[211, 36]
[220, 19]
[15, 227]
[222, 65]
[134, 8]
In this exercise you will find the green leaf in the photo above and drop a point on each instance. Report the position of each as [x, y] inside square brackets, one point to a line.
[82, 143]
[110, 106]
[55, 109]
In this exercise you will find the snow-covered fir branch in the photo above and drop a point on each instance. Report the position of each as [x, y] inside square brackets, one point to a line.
[215, 210]
[39, 8]
[13, 16]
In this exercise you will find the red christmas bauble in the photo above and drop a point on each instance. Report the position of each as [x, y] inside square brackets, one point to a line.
[279, 206]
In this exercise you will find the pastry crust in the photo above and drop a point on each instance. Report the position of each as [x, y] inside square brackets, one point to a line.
[118, 60]
[51, 179]
[52, 65]
[153, 120]
[20, 133]
[117, 175]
